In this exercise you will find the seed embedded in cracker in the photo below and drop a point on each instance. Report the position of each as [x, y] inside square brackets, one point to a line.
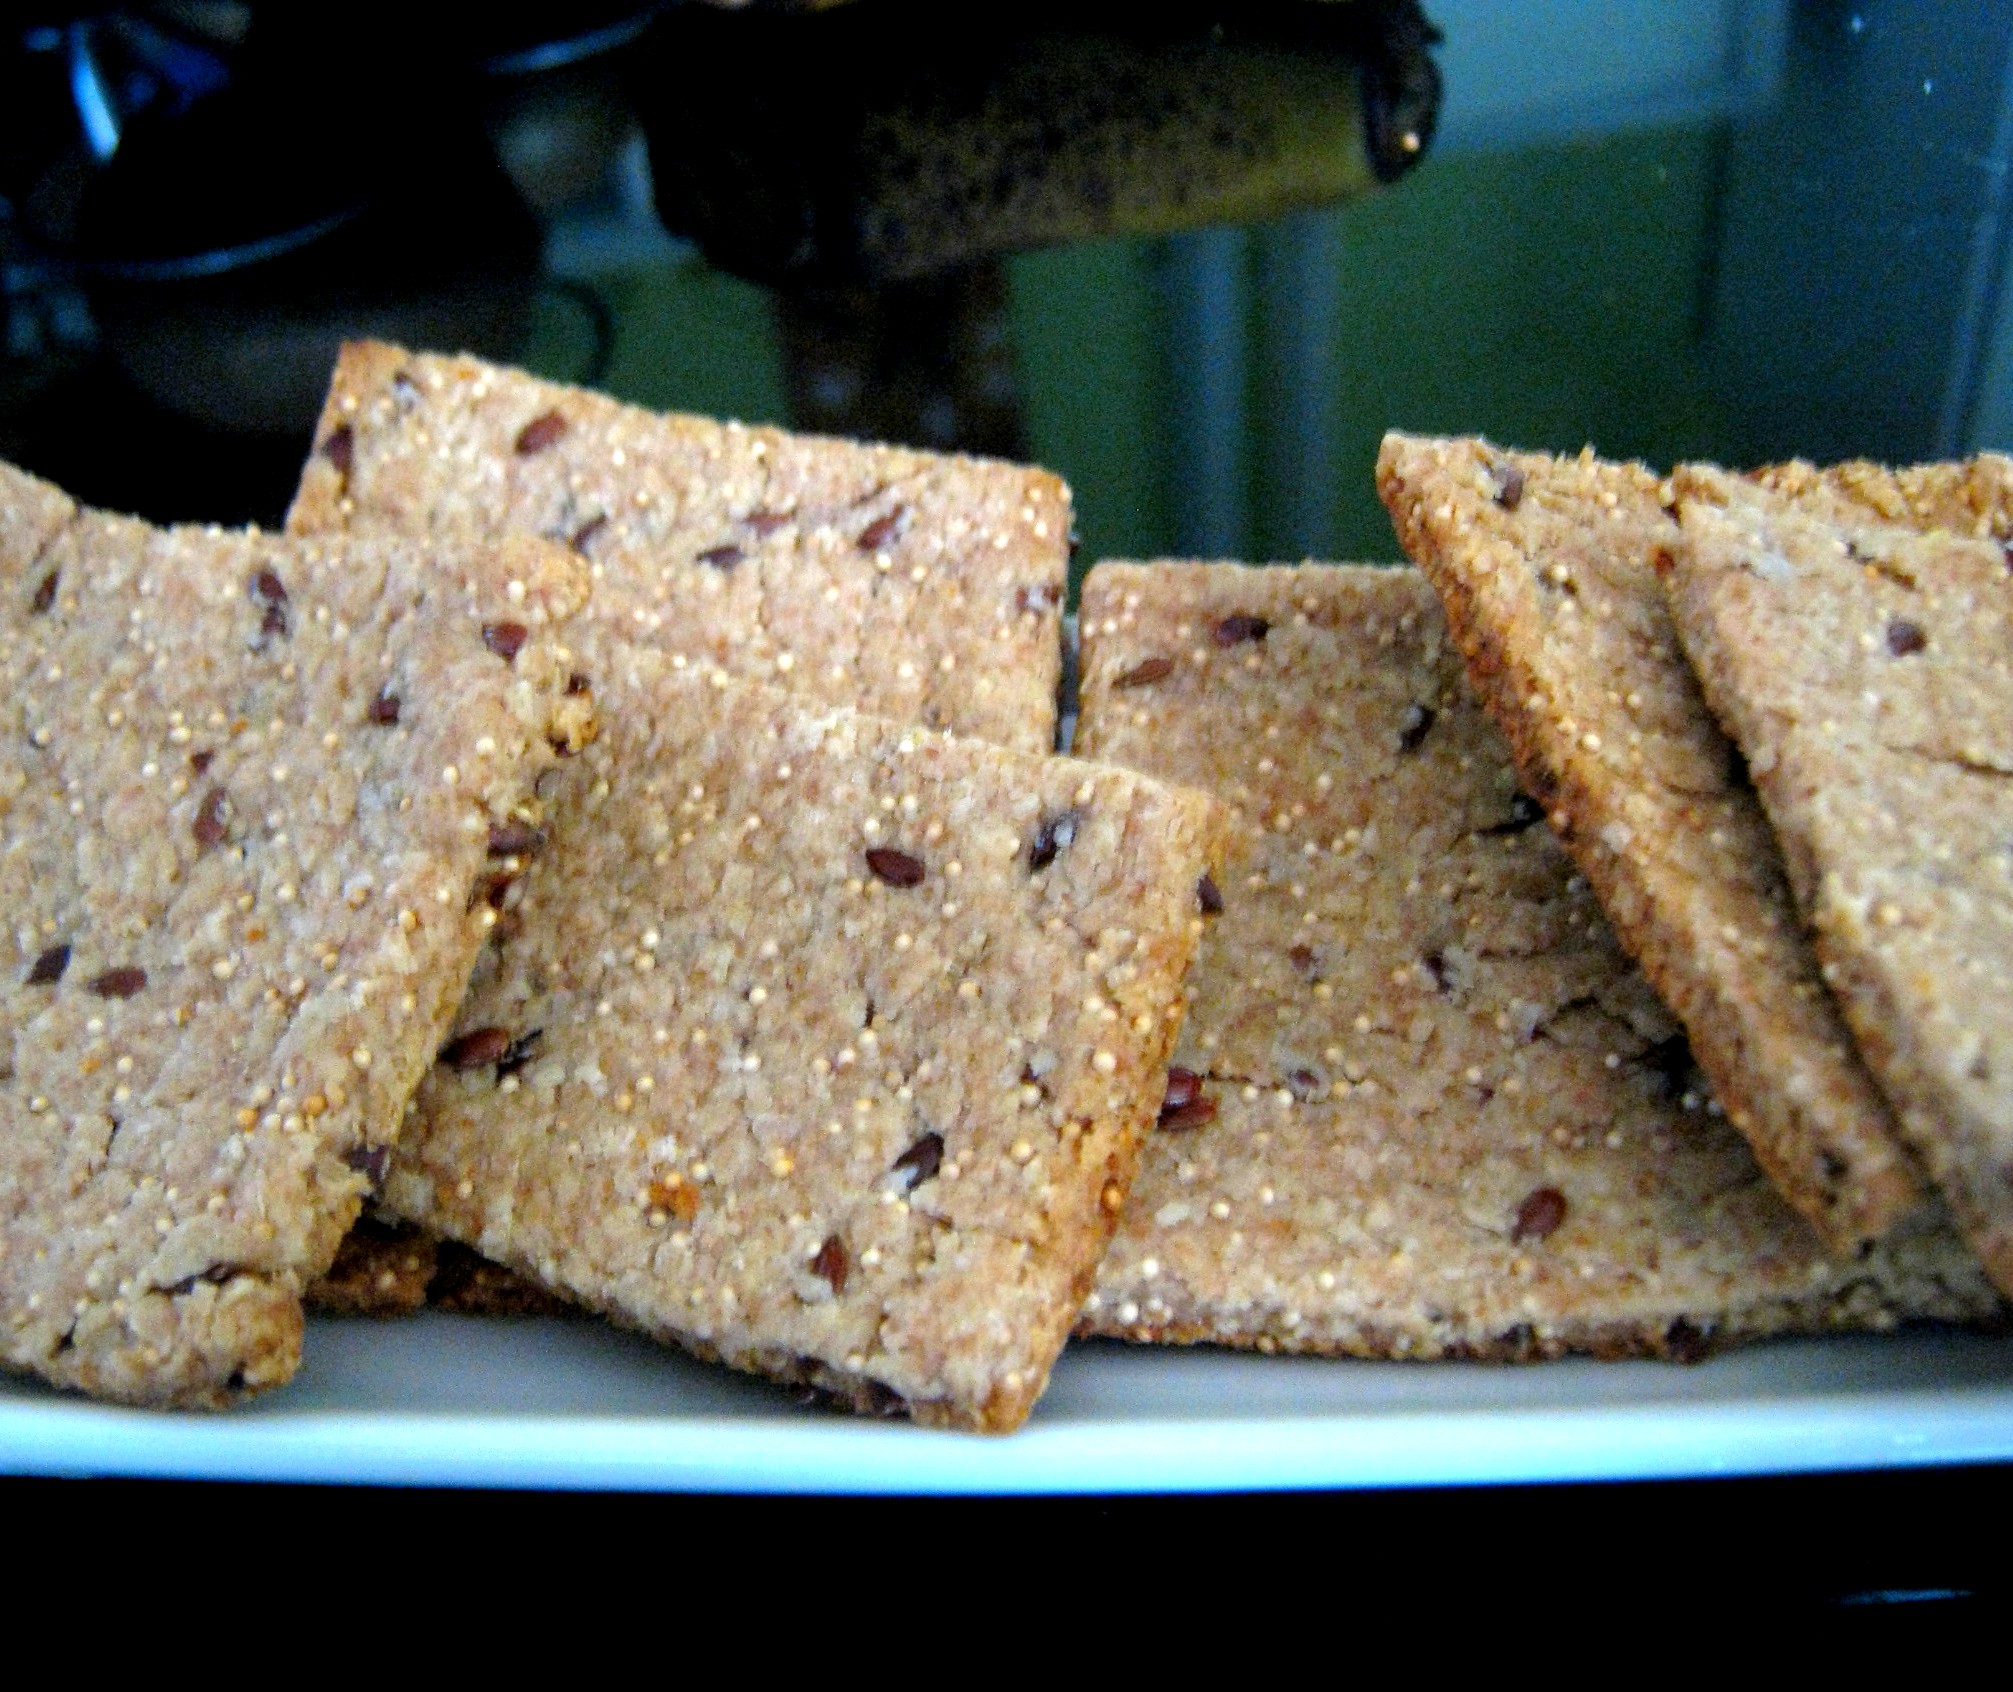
[923, 587]
[238, 911]
[1553, 598]
[1423, 1104]
[776, 1112]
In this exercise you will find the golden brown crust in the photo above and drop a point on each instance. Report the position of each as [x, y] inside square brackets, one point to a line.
[382, 1268]
[465, 1283]
[390, 1268]
[1552, 595]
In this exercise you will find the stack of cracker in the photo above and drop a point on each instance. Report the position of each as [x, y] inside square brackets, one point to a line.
[807, 1036]
[1772, 720]
[810, 1038]
[605, 860]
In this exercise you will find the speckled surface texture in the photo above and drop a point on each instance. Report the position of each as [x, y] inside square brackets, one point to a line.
[1428, 1106]
[1867, 671]
[922, 587]
[1547, 570]
[248, 786]
[819, 1044]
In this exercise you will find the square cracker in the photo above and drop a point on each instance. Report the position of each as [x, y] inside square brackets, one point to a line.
[819, 1044]
[1866, 670]
[237, 898]
[923, 587]
[1449, 1115]
[1547, 570]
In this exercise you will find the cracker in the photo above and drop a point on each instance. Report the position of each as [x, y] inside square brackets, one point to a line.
[1866, 670]
[924, 587]
[238, 909]
[1450, 1118]
[819, 1044]
[390, 1268]
[466, 1283]
[382, 1268]
[1546, 567]
[1971, 496]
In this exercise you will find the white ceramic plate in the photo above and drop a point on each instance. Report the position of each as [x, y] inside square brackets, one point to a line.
[448, 1401]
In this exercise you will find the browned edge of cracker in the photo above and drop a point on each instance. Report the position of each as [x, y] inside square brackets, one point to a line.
[1576, 791]
[382, 1268]
[390, 1268]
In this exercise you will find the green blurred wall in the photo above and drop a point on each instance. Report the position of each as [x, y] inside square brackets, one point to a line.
[687, 338]
[1548, 297]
